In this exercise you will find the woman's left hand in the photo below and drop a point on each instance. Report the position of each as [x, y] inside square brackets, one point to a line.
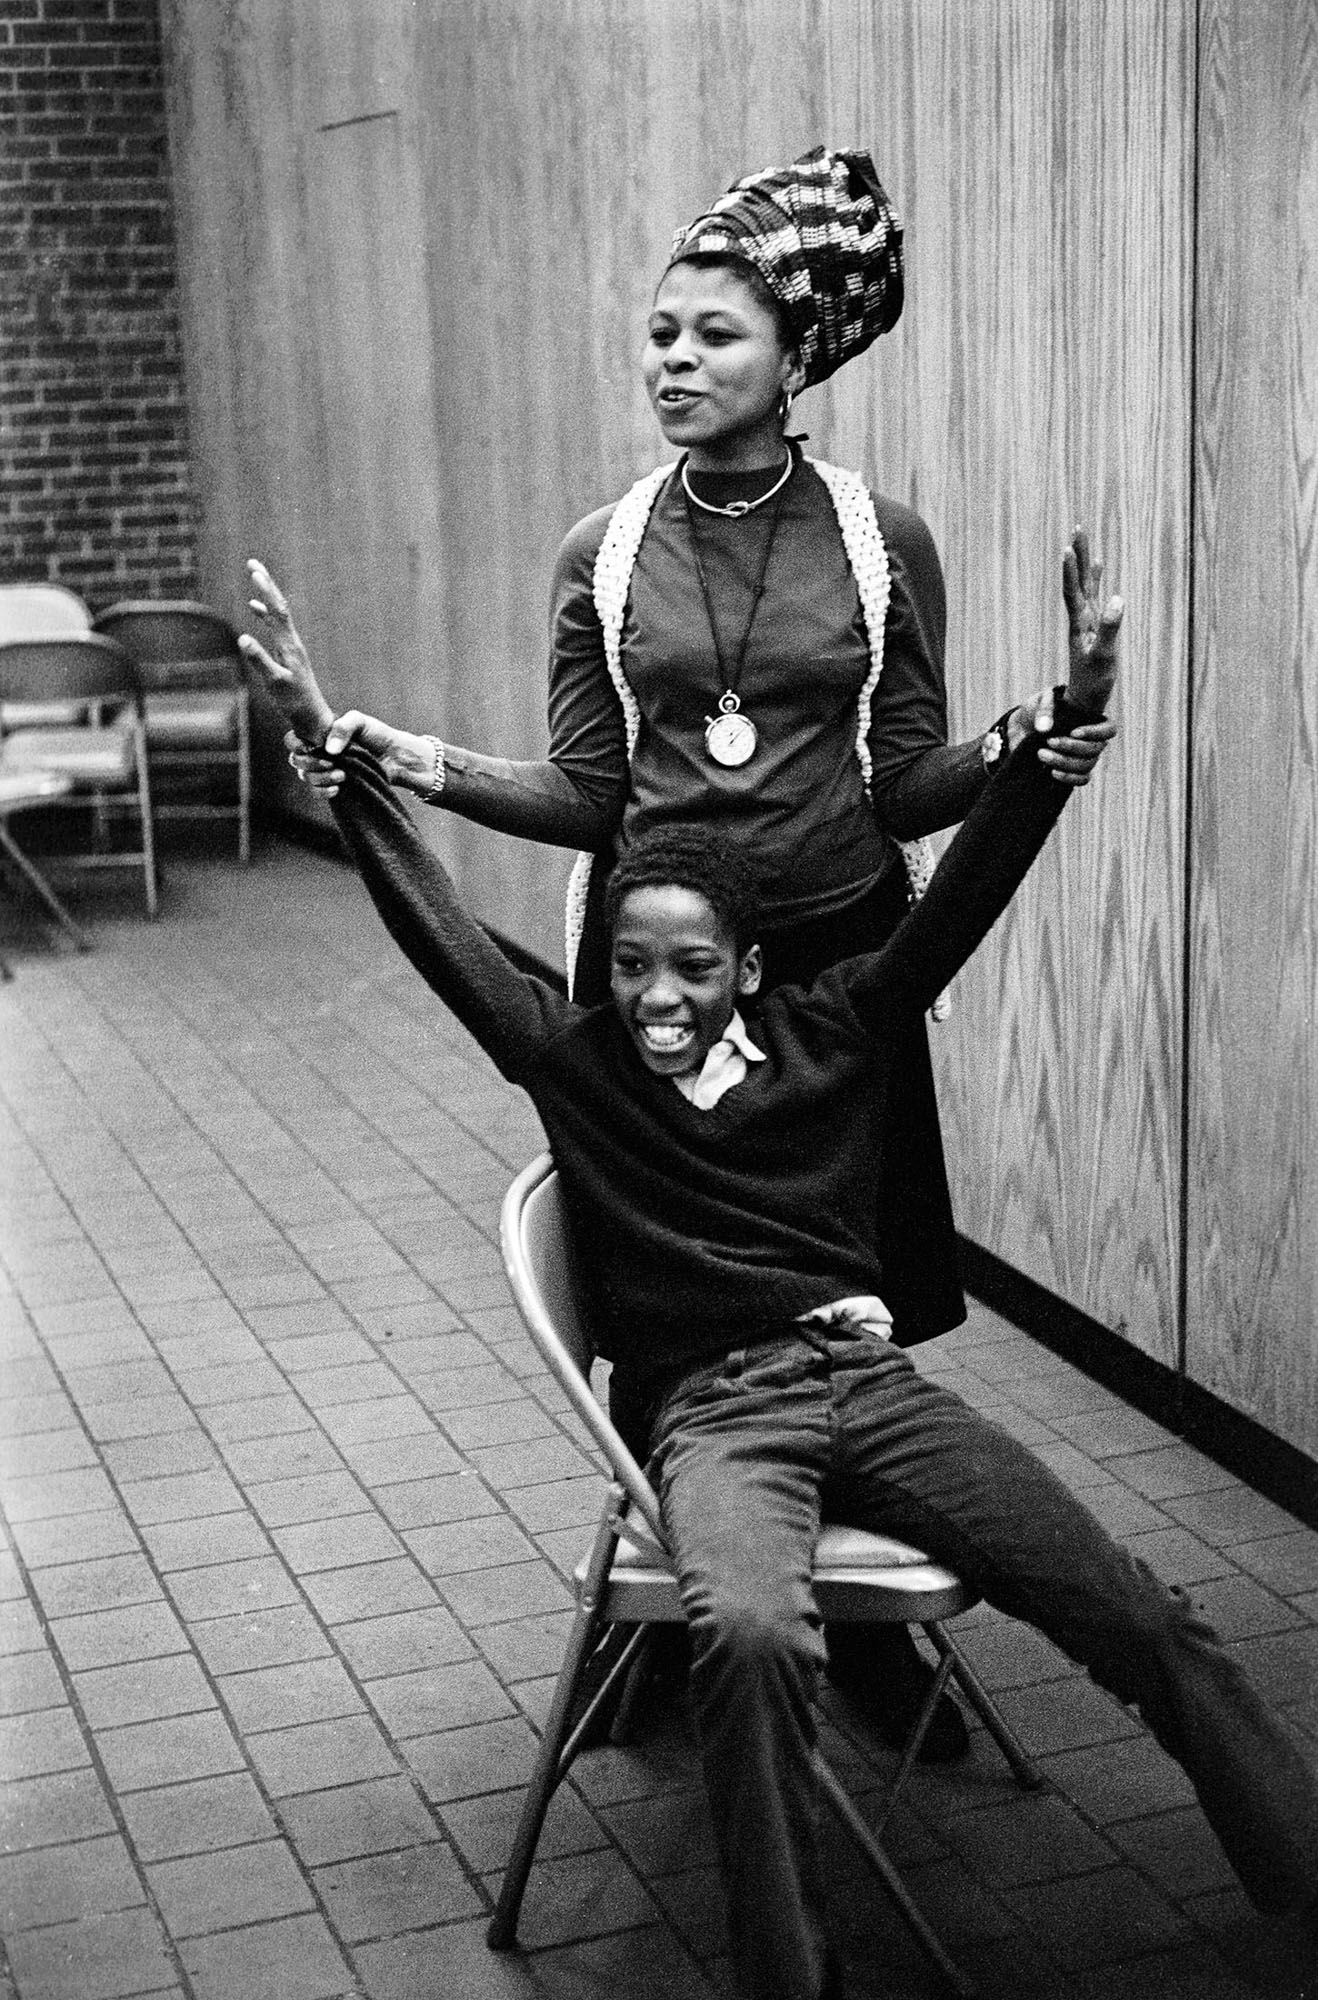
[1071, 759]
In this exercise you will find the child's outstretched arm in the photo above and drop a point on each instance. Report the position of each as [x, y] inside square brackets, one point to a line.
[508, 1012]
[1008, 825]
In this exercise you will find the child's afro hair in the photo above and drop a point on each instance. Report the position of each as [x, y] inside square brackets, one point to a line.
[692, 858]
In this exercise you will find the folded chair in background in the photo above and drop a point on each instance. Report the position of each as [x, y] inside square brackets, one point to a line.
[626, 1580]
[197, 718]
[103, 757]
[41, 611]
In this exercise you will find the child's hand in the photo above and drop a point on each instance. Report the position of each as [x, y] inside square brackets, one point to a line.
[287, 677]
[1093, 645]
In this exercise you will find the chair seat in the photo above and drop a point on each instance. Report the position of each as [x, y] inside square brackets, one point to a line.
[42, 714]
[197, 721]
[30, 788]
[869, 1578]
[85, 756]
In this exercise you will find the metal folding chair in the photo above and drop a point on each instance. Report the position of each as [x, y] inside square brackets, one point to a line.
[103, 756]
[197, 709]
[626, 1580]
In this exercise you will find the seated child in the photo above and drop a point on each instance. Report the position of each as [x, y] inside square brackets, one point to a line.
[716, 1152]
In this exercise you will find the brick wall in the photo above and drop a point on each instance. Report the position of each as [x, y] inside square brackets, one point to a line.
[94, 476]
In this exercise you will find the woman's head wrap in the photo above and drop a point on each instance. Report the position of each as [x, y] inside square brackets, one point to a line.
[823, 236]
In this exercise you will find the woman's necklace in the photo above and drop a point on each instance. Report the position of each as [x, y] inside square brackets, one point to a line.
[736, 508]
[731, 736]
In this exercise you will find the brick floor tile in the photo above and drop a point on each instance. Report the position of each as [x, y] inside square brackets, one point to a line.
[144, 1691]
[144, 1754]
[52, 1494]
[229, 1382]
[295, 1958]
[404, 1642]
[275, 1697]
[1229, 1514]
[306, 1757]
[663, 1836]
[465, 1388]
[1193, 1973]
[100, 1958]
[120, 1381]
[1141, 1780]
[309, 1352]
[426, 1503]
[349, 1820]
[1177, 1849]
[319, 1545]
[1286, 1563]
[51, 1411]
[57, 1806]
[525, 1647]
[404, 1320]
[1058, 1395]
[29, 1681]
[369, 1590]
[233, 1886]
[40, 1742]
[99, 1585]
[378, 1419]
[513, 1590]
[390, 1461]
[565, 1548]
[214, 1538]
[463, 1544]
[1028, 1838]
[1177, 1556]
[324, 1496]
[441, 1354]
[277, 1415]
[378, 1895]
[1239, 1608]
[1283, 1666]
[1075, 1469]
[45, 1452]
[488, 1757]
[561, 1503]
[302, 1455]
[1065, 1715]
[582, 1896]
[144, 1417]
[56, 1885]
[1120, 1511]
[1111, 1432]
[506, 1422]
[11, 1581]
[1171, 1470]
[197, 1817]
[157, 1457]
[259, 1639]
[324, 1389]
[183, 1498]
[20, 1628]
[420, 1704]
[217, 1590]
[482, 1828]
[1025, 1427]
[1099, 1919]
[108, 1638]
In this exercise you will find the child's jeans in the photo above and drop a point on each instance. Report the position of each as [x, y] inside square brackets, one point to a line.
[750, 1451]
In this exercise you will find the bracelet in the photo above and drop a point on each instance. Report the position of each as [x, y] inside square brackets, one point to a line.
[995, 740]
[429, 796]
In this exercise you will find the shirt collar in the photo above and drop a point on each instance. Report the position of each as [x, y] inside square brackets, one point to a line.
[723, 1067]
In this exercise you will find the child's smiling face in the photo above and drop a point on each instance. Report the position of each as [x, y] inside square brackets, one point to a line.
[676, 976]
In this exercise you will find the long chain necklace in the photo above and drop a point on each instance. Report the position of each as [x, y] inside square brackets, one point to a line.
[731, 736]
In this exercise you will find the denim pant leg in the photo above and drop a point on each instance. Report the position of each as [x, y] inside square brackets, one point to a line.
[738, 1462]
[915, 1460]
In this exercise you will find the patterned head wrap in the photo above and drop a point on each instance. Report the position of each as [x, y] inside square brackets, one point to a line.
[823, 236]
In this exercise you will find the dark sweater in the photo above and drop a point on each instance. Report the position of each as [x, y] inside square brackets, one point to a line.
[702, 1228]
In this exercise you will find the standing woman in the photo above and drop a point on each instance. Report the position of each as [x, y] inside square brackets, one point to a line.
[752, 639]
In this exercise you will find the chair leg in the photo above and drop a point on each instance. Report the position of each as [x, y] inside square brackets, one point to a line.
[244, 779]
[1027, 1773]
[38, 882]
[148, 824]
[845, 1808]
[501, 1933]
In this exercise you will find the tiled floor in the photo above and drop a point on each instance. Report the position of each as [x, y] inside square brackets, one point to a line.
[289, 1509]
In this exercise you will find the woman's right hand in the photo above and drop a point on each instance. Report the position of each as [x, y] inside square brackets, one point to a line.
[320, 769]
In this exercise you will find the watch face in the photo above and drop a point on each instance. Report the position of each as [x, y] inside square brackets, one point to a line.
[730, 739]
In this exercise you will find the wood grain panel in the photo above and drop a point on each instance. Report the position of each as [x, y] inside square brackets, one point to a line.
[545, 150]
[1253, 1059]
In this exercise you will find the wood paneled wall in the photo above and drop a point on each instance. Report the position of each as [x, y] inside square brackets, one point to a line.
[1252, 1269]
[419, 242]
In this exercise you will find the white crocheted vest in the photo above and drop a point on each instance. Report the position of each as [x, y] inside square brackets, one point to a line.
[868, 556]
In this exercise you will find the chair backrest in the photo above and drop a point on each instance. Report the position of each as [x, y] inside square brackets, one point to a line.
[175, 642]
[85, 668]
[538, 1256]
[41, 611]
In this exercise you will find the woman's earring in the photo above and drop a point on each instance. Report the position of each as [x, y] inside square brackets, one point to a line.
[785, 402]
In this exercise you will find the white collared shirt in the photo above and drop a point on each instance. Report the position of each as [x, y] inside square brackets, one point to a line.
[725, 1067]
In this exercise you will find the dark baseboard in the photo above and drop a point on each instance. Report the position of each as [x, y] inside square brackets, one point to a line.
[1264, 1461]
